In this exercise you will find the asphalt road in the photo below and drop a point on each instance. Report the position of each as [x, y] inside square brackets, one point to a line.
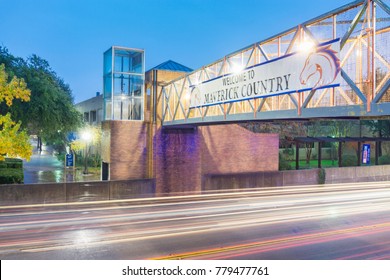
[346, 221]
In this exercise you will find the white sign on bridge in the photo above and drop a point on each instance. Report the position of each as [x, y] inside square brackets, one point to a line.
[299, 71]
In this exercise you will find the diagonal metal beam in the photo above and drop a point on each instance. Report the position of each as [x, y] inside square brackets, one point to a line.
[321, 97]
[205, 111]
[382, 82]
[382, 92]
[308, 32]
[377, 55]
[383, 6]
[263, 52]
[344, 95]
[258, 109]
[167, 97]
[189, 112]
[308, 98]
[353, 25]
[294, 100]
[353, 86]
[249, 58]
[292, 42]
[221, 70]
[251, 105]
[179, 99]
[221, 109]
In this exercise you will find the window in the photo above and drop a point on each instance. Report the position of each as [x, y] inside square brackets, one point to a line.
[93, 116]
[86, 117]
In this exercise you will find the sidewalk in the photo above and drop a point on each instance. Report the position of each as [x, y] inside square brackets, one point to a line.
[44, 167]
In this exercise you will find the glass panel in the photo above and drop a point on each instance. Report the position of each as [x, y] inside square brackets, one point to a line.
[137, 63]
[128, 85]
[107, 62]
[128, 61]
[107, 109]
[107, 86]
[136, 109]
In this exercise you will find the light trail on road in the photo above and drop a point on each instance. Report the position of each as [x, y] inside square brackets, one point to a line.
[272, 223]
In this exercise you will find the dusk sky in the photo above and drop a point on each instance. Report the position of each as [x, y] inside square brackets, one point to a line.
[73, 34]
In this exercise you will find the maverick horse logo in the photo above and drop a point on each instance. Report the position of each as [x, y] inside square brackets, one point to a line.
[321, 68]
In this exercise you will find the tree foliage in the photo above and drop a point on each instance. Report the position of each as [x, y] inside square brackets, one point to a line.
[380, 128]
[50, 114]
[14, 142]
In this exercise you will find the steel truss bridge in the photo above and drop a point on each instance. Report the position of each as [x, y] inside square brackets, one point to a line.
[364, 31]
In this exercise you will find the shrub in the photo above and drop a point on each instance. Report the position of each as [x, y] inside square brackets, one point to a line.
[321, 176]
[14, 163]
[349, 160]
[3, 164]
[384, 159]
[283, 163]
[288, 153]
[11, 176]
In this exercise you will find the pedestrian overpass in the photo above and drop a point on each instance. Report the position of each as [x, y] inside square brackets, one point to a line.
[333, 66]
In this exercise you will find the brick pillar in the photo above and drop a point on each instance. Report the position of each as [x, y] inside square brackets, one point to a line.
[177, 162]
[124, 147]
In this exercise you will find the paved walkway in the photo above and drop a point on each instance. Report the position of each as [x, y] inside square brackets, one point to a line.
[44, 167]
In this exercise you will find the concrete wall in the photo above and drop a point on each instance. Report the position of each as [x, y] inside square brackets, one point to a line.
[357, 174]
[72, 192]
[260, 179]
[108, 190]
[296, 177]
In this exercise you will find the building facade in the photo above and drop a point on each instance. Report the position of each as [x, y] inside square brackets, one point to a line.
[178, 159]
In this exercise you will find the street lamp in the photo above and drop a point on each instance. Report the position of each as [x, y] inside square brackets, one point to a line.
[86, 136]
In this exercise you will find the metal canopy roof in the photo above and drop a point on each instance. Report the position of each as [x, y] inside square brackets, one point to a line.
[171, 65]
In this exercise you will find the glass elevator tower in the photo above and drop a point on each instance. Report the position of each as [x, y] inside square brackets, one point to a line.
[123, 84]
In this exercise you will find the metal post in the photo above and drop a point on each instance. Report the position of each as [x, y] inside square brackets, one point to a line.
[299, 103]
[340, 149]
[373, 32]
[359, 154]
[333, 91]
[154, 92]
[297, 155]
[377, 153]
[369, 66]
[86, 159]
[319, 154]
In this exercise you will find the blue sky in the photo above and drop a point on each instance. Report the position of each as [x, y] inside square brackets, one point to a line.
[73, 34]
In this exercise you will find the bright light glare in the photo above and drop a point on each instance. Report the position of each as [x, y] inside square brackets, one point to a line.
[237, 68]
[86, 135]
[196, 82]
[306, 46]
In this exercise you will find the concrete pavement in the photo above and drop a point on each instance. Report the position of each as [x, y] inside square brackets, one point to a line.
[44, 167]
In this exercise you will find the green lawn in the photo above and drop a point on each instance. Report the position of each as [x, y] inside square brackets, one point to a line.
[324, 163]
[314, 163]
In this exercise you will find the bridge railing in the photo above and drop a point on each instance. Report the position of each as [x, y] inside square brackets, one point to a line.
[363, 28]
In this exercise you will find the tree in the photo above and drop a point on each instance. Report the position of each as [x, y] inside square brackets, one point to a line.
[90, 138]
[50, 114]
[381, 128]
[13, 141]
